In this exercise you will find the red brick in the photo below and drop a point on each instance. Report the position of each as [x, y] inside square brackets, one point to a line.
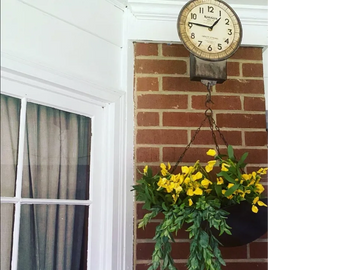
[241, 120]
[149, 232]
[147, 154]
[252, 70]
[172, 154]
[248, 53]
[233, 69]
[241, 86]
[162, 101]
[258, 250]
[246, 266]
[144, 251]
[175, 50]
[152, 66]
[220, 102]
[183, 119]
[146, 49]
[180, 250]
[182, 84]
[162, 136]
[255, 155]
[256, 138]
[147, 119]
[147, 84]
[254, 104]
[205, 137]
[234, 252]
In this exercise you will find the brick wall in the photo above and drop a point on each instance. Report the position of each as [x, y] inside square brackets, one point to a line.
[169, 108]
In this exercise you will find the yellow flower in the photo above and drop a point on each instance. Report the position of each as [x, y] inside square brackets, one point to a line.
[162, 182]
[170, 187]
[260, 203]
[230, 185]
[198, 191]
[259, 188]
[224, 167]
[197, 176]
[187, 180]
[220, 181]
[146, 169]
[246, 177]
[262, 171]
[163, 169]
[190, 202]
[175, 197]
[206, 183]
[178, 189]
[209, 167]
[208, 190]
[211, 152]
[169, 166]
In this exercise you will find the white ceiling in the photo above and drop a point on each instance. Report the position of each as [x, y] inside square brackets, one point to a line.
[231, 2]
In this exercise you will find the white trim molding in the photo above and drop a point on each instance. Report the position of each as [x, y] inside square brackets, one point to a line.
[155, 21]
[36, 74]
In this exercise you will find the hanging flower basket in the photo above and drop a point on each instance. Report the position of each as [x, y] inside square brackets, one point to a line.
[227, 209]
[245, 226]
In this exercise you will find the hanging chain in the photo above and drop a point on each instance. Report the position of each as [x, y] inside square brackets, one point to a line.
[212, 124]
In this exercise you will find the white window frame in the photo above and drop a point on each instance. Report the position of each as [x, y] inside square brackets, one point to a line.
[108, 189]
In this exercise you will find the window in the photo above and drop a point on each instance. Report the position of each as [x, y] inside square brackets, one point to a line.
[43, 211]
[53, 181]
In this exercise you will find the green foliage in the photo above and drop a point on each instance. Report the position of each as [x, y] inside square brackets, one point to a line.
[192, 200]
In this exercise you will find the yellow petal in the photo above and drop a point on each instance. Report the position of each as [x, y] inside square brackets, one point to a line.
[162, 166]
[260, 203]
[220, 181]
[198, 191]
[224, 167]
[255, 200]
[211, 152]
[230, 185]
[254, 209]
[169, 166]
[197, 176]
[190, 192]
[146, 169]
[259, 188]
[190, 202]
[184, 169]
[206, 183]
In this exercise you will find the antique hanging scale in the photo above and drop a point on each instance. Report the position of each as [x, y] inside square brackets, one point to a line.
[211, 31]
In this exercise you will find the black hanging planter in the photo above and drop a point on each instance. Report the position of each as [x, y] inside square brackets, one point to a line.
[246, 226]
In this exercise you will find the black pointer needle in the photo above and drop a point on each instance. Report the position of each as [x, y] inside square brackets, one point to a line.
[215, 23]
[200, 24]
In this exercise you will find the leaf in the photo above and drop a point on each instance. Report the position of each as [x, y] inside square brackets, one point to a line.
[231, 152]
[204, 239]
[231, 190]
[243, 157]
[227, 177]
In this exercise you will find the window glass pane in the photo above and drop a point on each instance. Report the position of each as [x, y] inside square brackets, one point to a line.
[57, 154]
[53, 237]
[10, 120]
[7, 219]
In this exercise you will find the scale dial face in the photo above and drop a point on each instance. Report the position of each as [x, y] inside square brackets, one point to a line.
[209, 29]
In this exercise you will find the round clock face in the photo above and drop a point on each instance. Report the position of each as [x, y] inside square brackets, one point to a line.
[209, 29]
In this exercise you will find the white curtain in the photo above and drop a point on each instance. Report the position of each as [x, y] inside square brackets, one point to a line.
[56, 166]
